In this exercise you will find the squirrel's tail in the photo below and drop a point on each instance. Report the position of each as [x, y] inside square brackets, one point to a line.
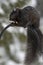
[33, 41]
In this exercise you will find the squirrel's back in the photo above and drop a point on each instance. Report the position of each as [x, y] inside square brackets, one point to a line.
[30, 14]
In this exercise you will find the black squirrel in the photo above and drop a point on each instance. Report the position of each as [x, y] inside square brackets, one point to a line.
[28, 17]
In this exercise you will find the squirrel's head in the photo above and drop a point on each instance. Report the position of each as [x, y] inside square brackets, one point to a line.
[14, 14]
[15, 17]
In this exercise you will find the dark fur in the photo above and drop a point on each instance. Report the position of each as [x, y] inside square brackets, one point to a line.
[26, 16]
[29, 17]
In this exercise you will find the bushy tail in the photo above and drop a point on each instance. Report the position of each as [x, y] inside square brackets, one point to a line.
[33, 41]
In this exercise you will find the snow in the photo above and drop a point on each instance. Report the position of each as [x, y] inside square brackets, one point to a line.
[23, 30]
[4, 2]
[13, 1]
[33, 3]
[15, 50]
[41, 59]
[10, 62]
[1, 10]
[3, 56]
[41, 24]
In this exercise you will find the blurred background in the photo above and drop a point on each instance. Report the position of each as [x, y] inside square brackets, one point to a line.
[13, 42]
